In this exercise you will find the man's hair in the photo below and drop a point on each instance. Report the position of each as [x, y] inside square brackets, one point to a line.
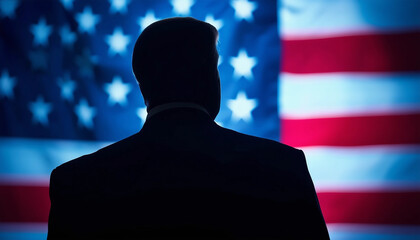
[175, 60]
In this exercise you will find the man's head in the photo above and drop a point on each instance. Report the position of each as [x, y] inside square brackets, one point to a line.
[175, 60]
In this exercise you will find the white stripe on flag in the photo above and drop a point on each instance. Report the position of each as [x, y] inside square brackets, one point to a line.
[365, 168]
[303, 18]
[389, 167]
[21, 231]
[38, 157]
[347, 94]
[373, 232]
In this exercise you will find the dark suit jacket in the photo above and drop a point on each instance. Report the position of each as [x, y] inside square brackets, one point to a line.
[184, 176]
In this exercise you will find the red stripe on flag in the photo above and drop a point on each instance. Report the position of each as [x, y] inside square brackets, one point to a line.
[361, 53]
[371, 207]
[352, 131]
[24, 204]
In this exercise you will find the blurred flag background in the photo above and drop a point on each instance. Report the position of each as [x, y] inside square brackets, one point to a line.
[337, 79]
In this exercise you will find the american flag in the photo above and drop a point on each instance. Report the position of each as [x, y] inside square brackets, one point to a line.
[338, 79]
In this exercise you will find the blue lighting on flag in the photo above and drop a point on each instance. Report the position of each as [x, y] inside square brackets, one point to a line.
[71, 62]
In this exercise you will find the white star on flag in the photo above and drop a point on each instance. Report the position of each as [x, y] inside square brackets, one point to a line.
[242, 107]
[67, 86]
[243, 65]
[216, 23]
[182, 7]
[40, 110]
[8, 8]
[41, 32]
[142, 114]
[148, 19]
[117, 42]
[117, 91]
[118, 6]
[7, 83]
[244, 9]
[67, 36]
[87, 20]
[85, 114]
[68, 4]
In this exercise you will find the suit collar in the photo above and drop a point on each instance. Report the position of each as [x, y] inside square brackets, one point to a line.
[177, 117]
[173, 105]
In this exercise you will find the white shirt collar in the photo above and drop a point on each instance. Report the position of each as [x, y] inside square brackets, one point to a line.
[172, 105]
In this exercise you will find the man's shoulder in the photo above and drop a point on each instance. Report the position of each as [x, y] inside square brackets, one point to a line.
[91, 160]
[258, 143]
[67, 175]
[86, 173]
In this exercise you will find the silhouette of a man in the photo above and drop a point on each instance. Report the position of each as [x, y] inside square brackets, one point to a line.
[182, 175]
